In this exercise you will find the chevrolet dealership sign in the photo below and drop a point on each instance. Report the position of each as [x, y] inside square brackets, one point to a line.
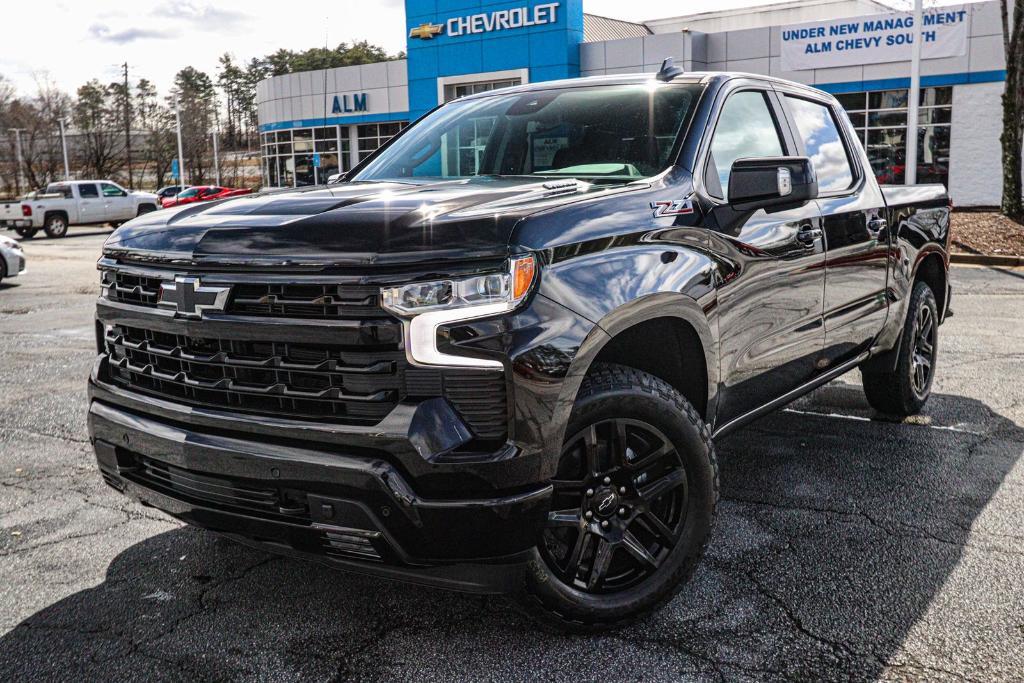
[873, 39]
[487, 22]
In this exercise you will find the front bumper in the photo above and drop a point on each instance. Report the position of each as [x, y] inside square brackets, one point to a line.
[14, 262]
[353, 510]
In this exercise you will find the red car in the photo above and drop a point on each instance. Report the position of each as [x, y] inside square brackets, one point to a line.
[203, 193]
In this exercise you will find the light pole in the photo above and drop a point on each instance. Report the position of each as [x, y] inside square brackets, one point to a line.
[216, 159]
[181, 156]
[64, 149]
[910, 172]
[17, 147]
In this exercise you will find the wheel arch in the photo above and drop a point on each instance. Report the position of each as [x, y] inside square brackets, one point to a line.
[931, 269]
[615, 337]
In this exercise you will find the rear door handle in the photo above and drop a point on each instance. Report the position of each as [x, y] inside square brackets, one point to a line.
[876, 226]
[808, 235]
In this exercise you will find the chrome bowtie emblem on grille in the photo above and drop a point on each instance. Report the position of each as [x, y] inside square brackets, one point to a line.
[189, 298]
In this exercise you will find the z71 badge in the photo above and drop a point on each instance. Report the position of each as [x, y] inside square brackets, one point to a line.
[675, 207]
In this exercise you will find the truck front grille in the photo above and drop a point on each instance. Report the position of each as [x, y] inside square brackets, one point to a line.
[301, 380]
[358, 380]
[323, 301]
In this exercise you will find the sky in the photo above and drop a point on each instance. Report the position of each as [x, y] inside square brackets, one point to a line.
[69, 42]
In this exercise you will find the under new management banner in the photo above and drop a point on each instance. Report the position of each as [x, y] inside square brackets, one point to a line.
[873, 39]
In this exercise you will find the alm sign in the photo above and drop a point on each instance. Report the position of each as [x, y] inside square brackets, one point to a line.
[873, 39]
[347, 104]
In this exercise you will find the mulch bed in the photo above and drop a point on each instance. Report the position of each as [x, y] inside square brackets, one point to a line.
[987, 232]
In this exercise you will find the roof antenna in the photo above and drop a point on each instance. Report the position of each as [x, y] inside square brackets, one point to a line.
[669, 70]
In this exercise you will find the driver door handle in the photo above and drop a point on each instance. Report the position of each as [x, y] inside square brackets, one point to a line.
[808, 235]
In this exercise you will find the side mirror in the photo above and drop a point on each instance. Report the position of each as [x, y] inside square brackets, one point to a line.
[771, 183]
[335, 178]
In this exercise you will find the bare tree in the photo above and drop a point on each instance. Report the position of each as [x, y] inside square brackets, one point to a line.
[41, 145]
[101, 142]
[156, 121]
[1013, 108]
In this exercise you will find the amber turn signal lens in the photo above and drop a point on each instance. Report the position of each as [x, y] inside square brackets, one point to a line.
[523, 271]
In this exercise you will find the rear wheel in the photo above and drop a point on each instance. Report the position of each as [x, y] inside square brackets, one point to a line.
[634, 501]
[56, 225]
[26, 233]
[903, 390]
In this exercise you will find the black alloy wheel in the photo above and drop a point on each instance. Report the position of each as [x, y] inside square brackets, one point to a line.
[924, 351]
[619, 506]
[634, 494]
[899, 384]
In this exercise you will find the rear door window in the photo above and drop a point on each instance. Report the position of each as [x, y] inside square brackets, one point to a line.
[817, 127]
[88, 191]
[746, 129]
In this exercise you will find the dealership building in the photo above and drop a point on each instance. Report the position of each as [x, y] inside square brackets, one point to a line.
[316, 123]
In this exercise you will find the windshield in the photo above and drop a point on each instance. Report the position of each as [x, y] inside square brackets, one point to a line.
[603, 133]
[191, 192]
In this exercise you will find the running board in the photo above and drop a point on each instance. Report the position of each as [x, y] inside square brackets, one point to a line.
[746, 418]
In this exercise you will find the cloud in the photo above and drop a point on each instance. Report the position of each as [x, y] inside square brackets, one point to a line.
[201, 15]
[104, 33]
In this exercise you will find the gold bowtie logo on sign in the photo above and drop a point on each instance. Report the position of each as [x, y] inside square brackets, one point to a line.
[426, 31]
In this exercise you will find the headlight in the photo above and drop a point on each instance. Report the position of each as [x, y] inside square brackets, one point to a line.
[9, 243]
[424, 306]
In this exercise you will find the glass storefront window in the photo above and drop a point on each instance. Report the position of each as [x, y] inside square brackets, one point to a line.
[370, 136]
[887, 153]
[881, 121]
[453, 92]
[887, 99]
[887, 119]
[288, 154]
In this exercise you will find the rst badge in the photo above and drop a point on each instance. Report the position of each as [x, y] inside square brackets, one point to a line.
[672, 207]
[187, 297]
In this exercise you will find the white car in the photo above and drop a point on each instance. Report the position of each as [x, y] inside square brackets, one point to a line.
[77, 202]
[12, 258]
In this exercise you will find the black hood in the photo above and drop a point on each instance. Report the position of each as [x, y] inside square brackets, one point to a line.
[346, 224]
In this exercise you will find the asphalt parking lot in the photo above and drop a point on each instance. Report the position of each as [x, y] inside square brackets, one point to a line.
[846, 548]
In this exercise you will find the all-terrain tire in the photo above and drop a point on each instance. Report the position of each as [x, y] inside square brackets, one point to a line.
[901, 391]
[615, 392]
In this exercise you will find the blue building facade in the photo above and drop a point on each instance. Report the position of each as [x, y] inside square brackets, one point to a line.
[459, 42]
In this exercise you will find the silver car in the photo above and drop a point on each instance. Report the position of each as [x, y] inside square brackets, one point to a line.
[12, 258]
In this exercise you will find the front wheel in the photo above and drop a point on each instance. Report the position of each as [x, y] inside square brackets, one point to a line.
[633, 504]
[903, 390]
[56, 225]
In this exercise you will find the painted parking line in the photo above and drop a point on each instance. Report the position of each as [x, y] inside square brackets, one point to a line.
[920, 421]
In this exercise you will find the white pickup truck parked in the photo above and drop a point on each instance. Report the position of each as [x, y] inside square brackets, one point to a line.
[76, 202]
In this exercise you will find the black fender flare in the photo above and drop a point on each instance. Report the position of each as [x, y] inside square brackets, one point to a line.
[642, 309]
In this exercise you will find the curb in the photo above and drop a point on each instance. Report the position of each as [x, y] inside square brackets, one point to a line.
[986, 260]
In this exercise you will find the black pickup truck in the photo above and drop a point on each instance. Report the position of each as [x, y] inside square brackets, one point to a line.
[494, 357]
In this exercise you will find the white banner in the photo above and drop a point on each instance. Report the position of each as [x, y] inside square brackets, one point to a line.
[873, 39]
